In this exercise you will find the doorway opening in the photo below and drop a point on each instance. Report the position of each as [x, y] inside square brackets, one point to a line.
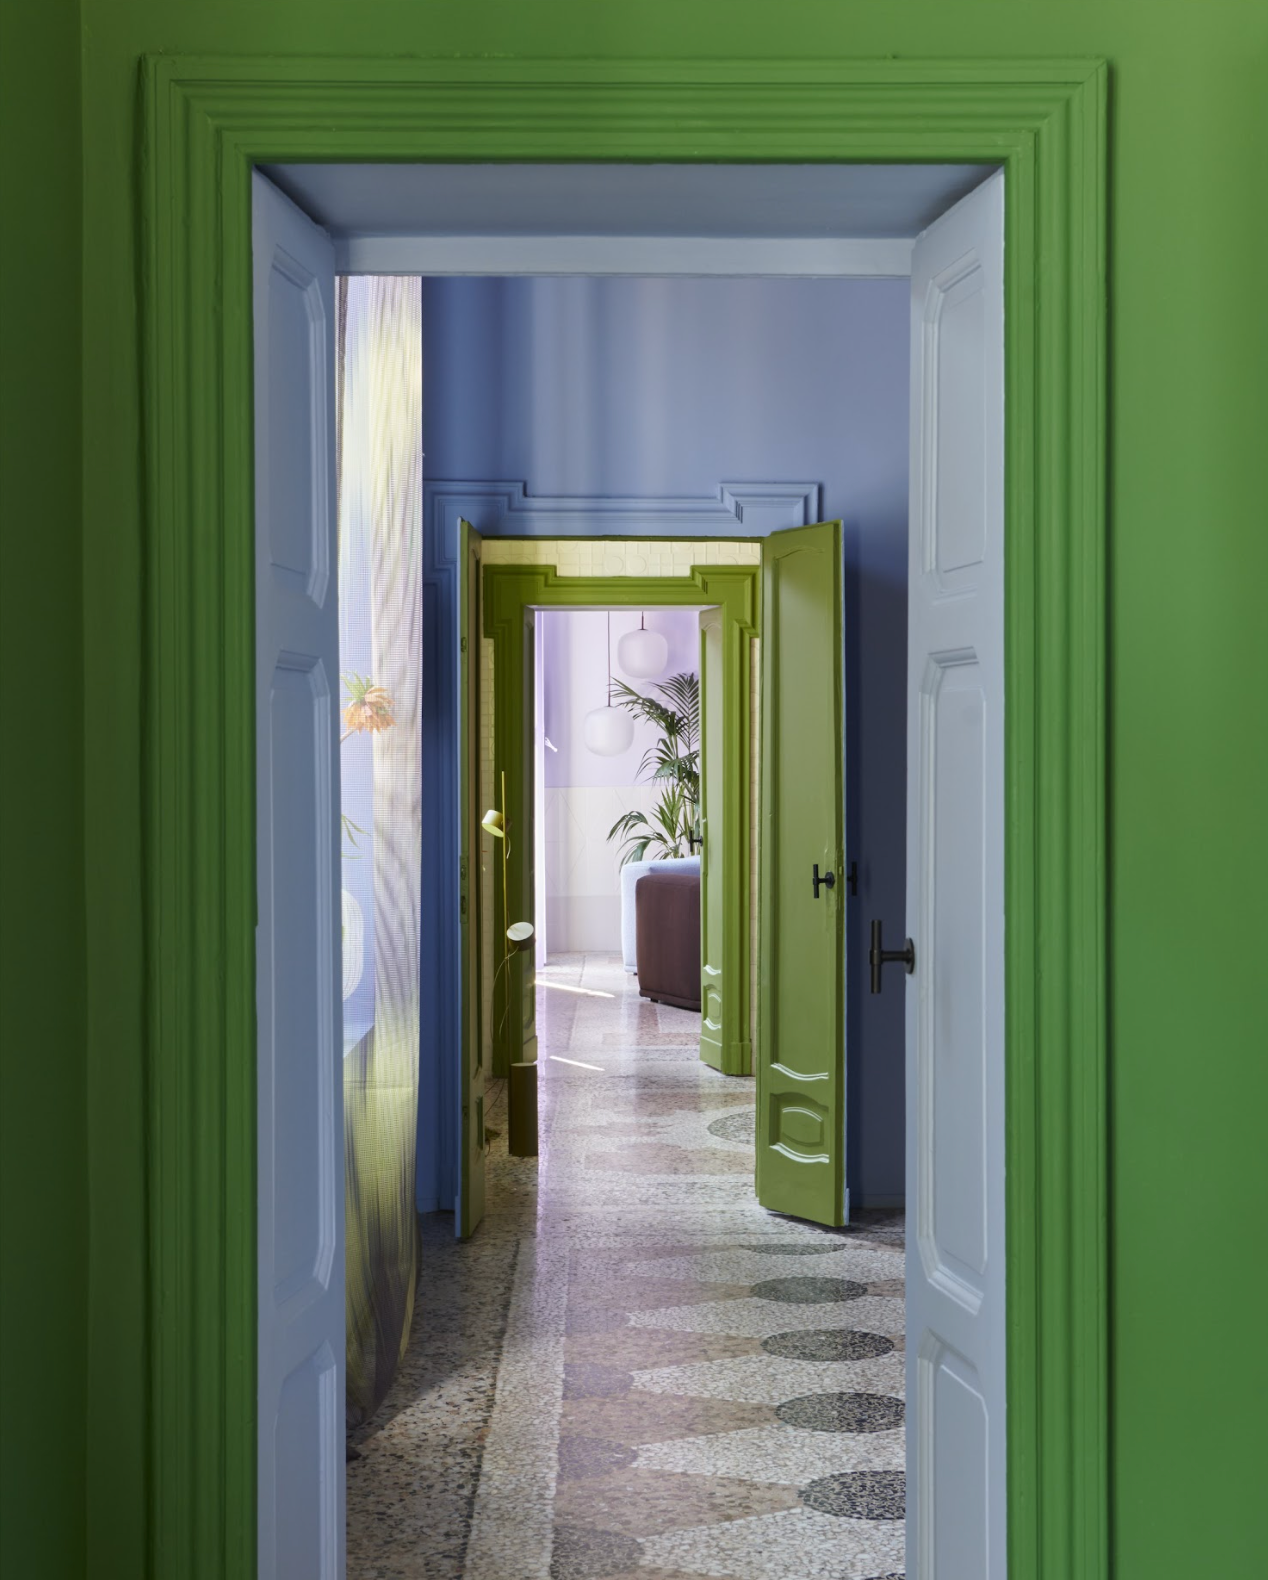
[799, 1125]
[204, 125]
[618, 761]
[799, 1122]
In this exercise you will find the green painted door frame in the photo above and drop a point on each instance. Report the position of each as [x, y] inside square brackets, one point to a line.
[511, 592]
[720, 1024]
[204, 123]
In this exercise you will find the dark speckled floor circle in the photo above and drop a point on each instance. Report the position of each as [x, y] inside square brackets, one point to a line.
[807, 1291]
[590, 1380]
[591, 1456]
[595, 1319]
[842, 1412]
[859, 1495]
[827, 1344]
[736, 1127]
[581, 1554]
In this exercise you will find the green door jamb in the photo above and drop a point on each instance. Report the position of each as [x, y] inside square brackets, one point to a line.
[510, 591]
[714, 779]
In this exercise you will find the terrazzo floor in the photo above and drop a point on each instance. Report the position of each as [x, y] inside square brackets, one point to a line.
[633, 1371]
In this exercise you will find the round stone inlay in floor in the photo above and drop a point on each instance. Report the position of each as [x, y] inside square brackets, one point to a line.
[580, 1554]
[859, 1495]
[590, 1380]
[591, 1456]
[736, 1127]
[842, 1412]
[808, 1291]
[827, 1344]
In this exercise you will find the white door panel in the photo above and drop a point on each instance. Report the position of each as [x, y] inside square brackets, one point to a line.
[955, 898]
[299, 984]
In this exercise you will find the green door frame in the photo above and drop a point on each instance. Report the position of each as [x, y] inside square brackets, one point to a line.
[204, 123]
[510, 591]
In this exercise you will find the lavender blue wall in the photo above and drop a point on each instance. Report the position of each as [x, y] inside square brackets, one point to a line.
[626, 386]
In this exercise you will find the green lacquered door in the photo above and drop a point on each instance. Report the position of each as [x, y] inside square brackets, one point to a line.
[801, 1065]
[471, 1038]
[713, 1027]
[522, 1019]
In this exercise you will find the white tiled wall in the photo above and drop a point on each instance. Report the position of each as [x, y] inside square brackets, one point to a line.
[583, 875]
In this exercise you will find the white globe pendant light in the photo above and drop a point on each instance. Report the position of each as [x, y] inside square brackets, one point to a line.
[642, 653]
[608, 731]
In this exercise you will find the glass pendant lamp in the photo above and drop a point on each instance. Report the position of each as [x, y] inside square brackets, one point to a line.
[643, 653]
[608, 731]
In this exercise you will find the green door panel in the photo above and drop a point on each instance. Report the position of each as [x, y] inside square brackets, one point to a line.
[522, 1021]
[713, 827]
[801, 1064]
[471, 1051]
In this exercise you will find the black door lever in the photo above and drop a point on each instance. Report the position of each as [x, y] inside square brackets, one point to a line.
[878, 957]
[827, 881]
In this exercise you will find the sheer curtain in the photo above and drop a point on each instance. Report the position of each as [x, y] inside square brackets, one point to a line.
[380, 379]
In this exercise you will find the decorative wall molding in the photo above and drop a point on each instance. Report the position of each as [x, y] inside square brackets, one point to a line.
[507, 509]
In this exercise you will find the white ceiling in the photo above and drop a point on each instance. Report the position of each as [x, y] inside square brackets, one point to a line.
[741, 201]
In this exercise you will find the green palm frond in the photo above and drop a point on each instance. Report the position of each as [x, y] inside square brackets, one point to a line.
[672, 761]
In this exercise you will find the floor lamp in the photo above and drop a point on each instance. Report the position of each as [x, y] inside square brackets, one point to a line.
[521, 1096]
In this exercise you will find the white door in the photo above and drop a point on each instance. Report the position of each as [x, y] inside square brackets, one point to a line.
[299, 988]
[955, 898]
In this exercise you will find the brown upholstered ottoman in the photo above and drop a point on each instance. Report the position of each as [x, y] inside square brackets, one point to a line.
[667, 912]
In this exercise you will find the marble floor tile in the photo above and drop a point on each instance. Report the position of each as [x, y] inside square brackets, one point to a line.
[656, 1418]
[649, 1348]
[632, 1370]
[650, 1294]
[760, 1318]
[864, 1264]
[795, 1544]
[776, 1452]
[768, 1379]
[644, 1503]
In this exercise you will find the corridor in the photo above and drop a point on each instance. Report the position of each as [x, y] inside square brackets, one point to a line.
[633, 1370]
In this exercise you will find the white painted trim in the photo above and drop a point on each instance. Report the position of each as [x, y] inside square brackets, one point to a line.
[867, 257]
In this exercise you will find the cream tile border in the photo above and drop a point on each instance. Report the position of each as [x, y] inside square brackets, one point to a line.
[621, 556]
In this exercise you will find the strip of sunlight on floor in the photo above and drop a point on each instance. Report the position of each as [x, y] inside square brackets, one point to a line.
[567, 987]
[559, 1059]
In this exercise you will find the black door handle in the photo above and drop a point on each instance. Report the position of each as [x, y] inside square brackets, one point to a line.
[827, 881]
[878, 957]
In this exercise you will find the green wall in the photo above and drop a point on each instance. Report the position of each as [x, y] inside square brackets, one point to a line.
[43, 1133]
[1189, 652]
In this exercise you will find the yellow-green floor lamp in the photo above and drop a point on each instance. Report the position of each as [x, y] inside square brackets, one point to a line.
[521, 1098]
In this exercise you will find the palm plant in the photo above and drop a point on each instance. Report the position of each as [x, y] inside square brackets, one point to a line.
[674, 761]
